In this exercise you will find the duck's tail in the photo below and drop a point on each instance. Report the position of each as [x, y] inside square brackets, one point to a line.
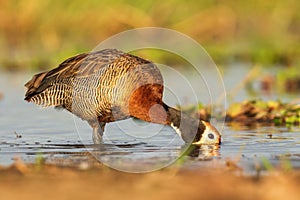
[33, 85]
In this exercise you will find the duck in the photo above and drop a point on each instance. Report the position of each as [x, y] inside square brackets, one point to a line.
[110, 85]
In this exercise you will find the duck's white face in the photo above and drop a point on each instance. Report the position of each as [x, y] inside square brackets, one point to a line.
[210, 136]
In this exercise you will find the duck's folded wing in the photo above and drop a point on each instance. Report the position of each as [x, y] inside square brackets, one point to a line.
[82, 65]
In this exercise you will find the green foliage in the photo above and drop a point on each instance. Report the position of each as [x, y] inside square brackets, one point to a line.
[285, 164]
[274, 112]
[40, 34]
[267, 164]
[183, 157]
[39, 161]
[288, 79]
[250, 112]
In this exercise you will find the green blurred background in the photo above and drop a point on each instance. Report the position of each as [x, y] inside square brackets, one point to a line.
[38, 34]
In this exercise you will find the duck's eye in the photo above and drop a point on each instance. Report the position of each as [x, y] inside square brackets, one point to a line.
[211, 136]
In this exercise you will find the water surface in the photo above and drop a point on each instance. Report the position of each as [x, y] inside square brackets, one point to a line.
[131, 145]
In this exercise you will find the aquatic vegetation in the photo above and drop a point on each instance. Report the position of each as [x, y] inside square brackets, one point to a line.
[252, 111]
[275, 112]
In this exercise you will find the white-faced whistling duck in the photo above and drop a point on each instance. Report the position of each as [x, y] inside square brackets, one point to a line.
[110, 85]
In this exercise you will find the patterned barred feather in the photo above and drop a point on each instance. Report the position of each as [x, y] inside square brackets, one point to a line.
[92, 85]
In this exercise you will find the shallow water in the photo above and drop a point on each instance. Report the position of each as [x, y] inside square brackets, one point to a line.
[131, 145]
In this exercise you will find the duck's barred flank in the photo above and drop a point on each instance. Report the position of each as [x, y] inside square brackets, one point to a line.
[106, 86]
[94, 84]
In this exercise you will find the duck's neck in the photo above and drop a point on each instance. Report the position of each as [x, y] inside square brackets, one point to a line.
[190, 129]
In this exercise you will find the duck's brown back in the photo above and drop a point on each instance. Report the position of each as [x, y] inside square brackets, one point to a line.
[109, 85]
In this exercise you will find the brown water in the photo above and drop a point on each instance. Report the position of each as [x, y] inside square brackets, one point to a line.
[131, 145]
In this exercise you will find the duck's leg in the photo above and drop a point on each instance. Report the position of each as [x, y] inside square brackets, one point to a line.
[98, 129]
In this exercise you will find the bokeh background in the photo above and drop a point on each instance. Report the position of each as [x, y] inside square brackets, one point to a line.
[255, 44]
[40, 34]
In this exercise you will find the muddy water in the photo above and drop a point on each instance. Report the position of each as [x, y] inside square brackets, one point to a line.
[29, 132]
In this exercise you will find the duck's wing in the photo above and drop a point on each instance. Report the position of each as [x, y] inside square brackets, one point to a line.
[81, 65]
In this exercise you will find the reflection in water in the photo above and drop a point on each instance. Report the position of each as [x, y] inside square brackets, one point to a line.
[204, 151]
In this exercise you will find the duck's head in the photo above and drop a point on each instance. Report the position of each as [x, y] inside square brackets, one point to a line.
[191, 130]
[207, 135]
